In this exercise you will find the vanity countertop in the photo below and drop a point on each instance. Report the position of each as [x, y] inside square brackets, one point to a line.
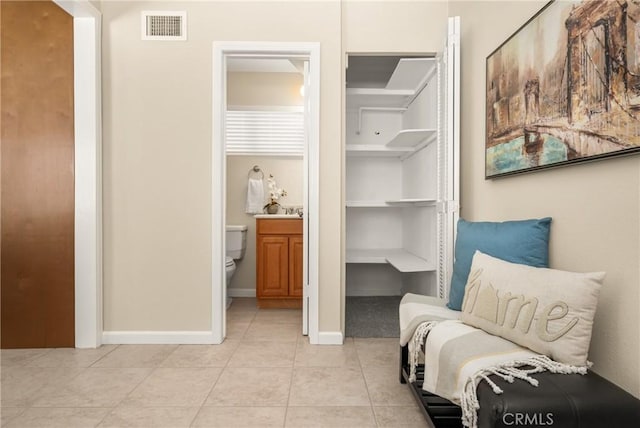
[278, 216]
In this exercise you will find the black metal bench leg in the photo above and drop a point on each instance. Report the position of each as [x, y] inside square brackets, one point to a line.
[404, 358]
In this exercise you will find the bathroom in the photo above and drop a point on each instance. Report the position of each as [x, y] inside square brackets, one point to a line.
[261, 91]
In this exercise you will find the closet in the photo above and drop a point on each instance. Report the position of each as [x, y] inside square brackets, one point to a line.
[401, 172]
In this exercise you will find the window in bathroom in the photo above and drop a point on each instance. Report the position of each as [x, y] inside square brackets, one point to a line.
[273, 131]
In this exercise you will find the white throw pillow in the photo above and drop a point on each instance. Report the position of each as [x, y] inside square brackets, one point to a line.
[548, 311]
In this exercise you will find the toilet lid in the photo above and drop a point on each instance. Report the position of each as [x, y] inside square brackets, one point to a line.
[228, 261]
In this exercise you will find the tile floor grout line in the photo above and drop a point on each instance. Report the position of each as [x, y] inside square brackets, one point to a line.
[293, 372]
[106, 415]
[375, 419]
[10, 421]
[96, 361]
[206, 397]
[161, 365]
[222, 370]
[195, 417]
[38, 393]
[36, 358]
[153, 369]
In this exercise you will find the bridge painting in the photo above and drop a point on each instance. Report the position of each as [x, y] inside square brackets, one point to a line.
[565, 87]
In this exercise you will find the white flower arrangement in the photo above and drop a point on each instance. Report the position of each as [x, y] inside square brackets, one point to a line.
[275, 192]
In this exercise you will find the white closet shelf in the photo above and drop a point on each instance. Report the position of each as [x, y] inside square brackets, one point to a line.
[411, 137]
[367, 204]
[404, 261]
[390, 203]
[422, 202]
[399, 258]
[378, 97]
[412, 73]
[377, 150]
[369, 256]
[403, 144]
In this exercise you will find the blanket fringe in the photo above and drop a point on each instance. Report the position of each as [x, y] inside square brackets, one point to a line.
[508, 371]
[416, 344]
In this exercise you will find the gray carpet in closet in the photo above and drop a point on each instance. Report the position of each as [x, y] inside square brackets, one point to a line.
[372, 316]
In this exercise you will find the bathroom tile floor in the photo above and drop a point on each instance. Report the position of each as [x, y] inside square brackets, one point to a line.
[265, 374]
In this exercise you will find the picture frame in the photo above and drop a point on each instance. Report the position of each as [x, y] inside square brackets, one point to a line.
[564, 88]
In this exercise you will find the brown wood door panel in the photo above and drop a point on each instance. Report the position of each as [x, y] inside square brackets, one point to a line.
[295, 265]
[273, 266]
[37, 191]
[283, 226]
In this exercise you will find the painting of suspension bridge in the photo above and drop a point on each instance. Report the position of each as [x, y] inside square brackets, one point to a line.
[565, 87]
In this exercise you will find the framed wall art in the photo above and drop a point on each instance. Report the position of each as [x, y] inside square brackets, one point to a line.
[565, 88]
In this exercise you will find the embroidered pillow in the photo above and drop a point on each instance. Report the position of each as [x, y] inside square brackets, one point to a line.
[548, 311]
[520, 241]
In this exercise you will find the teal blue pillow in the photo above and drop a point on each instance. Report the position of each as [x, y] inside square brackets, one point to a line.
[524, 241]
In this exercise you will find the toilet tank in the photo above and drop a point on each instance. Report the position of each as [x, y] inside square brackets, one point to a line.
[236, 241]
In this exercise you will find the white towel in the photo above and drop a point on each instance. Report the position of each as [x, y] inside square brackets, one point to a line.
[255, 196]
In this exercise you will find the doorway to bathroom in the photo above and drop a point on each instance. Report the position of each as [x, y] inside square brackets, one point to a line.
[264, 151]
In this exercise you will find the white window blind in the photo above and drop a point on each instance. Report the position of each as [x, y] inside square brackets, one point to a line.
[270, 132]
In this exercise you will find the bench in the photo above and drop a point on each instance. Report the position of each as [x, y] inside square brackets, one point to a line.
[560, 400]
[566, 401]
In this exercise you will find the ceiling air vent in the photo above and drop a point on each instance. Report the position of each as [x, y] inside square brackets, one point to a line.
[166, 25]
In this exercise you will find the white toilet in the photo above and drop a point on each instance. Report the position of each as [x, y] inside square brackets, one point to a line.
[236, 246]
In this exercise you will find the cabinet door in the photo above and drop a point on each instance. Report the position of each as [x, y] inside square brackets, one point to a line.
[273, 266]
[295, 266]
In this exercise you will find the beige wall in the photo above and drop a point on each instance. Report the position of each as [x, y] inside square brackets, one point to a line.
[264, 89]
[394, 26]
[595, 207]
[260, 89]
[157, 156]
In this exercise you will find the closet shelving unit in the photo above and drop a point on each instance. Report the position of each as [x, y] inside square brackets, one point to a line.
[392, 182]
[401, 184]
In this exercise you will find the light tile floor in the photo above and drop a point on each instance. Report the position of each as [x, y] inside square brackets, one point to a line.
[265, 374]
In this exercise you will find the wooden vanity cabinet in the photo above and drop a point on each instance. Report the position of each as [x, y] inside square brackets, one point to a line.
[279, 263]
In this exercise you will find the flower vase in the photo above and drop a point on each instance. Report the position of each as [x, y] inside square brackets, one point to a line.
[273, 208]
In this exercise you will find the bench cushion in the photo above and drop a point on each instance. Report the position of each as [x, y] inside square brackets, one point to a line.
[560, 400]
[416, 309]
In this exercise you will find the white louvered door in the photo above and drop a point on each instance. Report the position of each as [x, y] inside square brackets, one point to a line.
[448, 154]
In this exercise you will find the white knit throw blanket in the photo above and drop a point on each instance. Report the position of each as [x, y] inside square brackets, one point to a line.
[458, 357]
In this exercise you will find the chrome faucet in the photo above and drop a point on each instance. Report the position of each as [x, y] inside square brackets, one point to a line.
[294, 210]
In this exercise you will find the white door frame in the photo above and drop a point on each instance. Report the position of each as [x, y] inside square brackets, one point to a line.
[218, 174]
[87, 171]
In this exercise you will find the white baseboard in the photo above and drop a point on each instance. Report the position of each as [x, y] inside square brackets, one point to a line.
[330, 338]
[241, 292]
[157, 337]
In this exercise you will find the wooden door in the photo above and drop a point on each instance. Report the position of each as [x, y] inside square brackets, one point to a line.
[295, 266]
[37, 268]
[273, 266]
